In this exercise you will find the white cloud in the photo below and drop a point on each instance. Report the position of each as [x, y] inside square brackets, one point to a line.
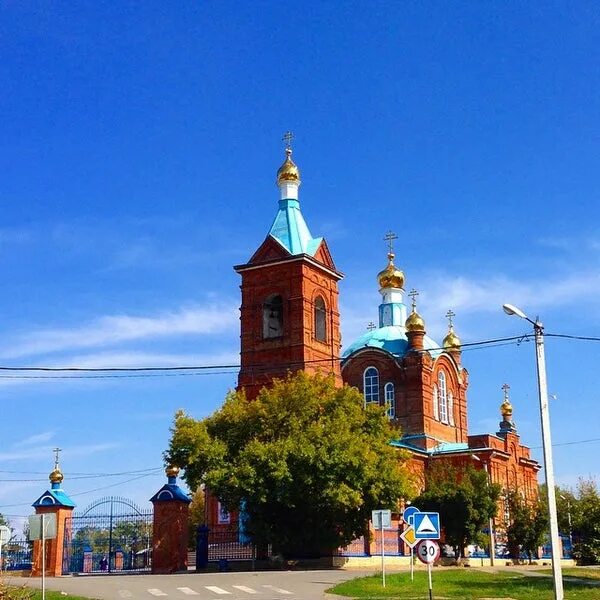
[488, 294]
[149, 359]
[44, 451]
[115, 329]
[38, 438]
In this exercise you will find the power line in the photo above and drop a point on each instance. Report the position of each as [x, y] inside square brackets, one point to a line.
[95, 476]
[133, 372]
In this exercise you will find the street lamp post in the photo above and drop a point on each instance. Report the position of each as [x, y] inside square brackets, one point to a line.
[538, 330]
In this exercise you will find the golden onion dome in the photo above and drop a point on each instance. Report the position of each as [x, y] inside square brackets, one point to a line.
[172, 471]
[415, 322]
[506, 409]
[391, 276]
[56, 476]
[288, 171]
[451, 341]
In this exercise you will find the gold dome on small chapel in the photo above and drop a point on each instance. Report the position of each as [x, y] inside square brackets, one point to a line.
[288, 171]
[172, 471]
[391, 276]
[56, 476]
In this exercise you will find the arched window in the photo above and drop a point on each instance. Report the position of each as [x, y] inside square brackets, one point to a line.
[436, 412]
[443, 397]
[273, 317]
[320, 320]
[450, 408]
[390, 400]
[371, 385]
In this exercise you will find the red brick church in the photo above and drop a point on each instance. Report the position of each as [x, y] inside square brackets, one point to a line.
[290, 320]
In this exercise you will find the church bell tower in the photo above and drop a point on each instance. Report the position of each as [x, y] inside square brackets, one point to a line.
[289, 313]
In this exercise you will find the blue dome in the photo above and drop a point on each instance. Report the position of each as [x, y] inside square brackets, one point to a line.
[392, 339]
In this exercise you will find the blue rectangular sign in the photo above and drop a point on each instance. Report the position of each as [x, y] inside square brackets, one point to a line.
[427, 525]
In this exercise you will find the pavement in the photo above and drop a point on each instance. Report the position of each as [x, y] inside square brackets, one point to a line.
[265, 585]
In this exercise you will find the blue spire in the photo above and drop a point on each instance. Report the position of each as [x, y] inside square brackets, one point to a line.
[290, 229]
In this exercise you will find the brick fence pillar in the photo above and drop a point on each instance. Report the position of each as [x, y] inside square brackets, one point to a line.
[170, 526]
[53, 502]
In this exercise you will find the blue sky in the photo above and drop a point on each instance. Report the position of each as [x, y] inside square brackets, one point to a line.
[138, 151]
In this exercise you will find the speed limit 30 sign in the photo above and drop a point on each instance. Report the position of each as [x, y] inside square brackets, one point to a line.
[428, 551]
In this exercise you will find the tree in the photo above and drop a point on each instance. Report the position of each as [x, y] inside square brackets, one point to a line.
[527, 527]
[586, 523]
[309, 462]
[465, 500]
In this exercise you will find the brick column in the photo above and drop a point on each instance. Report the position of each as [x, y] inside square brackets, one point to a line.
[54, 546]
[170, 526]
[53, 502]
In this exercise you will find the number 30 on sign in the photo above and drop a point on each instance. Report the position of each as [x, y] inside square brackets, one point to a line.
[428, 551]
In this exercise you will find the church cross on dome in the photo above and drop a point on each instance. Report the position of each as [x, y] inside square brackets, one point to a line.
[371, 326]
[389, 237]
[505, 389]
[450, 316]
[413, 296]
[288, 136]
[56, 451]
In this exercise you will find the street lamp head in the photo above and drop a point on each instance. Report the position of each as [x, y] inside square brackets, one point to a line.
[509, 309]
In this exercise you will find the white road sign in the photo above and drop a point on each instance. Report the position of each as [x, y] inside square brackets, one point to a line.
[428, 551]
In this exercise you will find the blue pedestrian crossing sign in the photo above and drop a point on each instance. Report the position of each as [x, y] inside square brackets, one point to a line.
[427, 525]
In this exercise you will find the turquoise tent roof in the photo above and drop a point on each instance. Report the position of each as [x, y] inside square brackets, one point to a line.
[392, 339]
[55, 496]
[291, 231]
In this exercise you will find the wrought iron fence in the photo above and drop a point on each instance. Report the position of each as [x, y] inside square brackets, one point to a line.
[17, 555]
[111, 535]
[229, 544]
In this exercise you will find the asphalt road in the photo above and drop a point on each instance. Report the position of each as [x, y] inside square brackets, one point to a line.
[269, 585]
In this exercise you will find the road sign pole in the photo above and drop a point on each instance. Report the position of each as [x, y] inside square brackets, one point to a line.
[430, 586]
[0, 555]
[43, 558]
[412, 565]
[382, 553]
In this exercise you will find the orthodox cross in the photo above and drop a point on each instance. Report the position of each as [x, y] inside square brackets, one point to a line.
[371, 326]
[56, 451]
[505, 388]
[389, 237]
[450, 316]
[413, 294]
[288, 136]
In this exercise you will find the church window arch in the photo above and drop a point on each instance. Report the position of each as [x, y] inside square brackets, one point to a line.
[436, 412]
[272, 313]
[443, 397]
[371, 385]
[450, 408]
[390, 400]
[320, 316]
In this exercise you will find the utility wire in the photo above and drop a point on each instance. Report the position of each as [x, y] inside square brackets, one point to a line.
[98, 475]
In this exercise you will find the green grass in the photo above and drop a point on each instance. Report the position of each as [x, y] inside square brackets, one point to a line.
[462, 584]
[580, 572]
[15, 592]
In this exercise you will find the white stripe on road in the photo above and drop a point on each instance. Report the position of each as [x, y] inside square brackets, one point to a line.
[188, 591]
[216, 590]
[125, 594]
[243, 588]
[278, 590]
[156, 592]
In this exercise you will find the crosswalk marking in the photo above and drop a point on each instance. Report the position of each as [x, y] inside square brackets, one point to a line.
[125, 594]
[156, 592]
[188, 591]
[278, 590]
[243, 588]
[216, 590]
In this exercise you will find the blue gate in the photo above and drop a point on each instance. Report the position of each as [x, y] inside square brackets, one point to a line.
[111, 535]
